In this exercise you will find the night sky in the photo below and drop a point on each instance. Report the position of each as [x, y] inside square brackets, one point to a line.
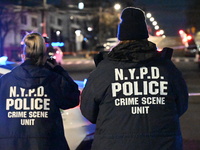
[170, 14]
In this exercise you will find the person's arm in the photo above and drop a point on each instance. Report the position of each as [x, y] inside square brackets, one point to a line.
[180, 90]
[70, 94]
[60, 70]
[182, 95]
[68, 88]
[89, 105]
[94, 92]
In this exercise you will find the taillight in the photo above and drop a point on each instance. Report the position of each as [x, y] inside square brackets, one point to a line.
[189, 37]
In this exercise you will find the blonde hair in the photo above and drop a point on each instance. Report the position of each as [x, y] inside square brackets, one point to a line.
[35, 48]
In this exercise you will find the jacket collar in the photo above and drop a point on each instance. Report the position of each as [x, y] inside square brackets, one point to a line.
[135, 51]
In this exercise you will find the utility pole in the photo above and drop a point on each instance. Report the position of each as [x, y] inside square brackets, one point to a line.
[44, 21]
[100, 24]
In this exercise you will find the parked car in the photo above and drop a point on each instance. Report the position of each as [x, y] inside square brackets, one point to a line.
[189, 43]
[191, 48]
[197, 56]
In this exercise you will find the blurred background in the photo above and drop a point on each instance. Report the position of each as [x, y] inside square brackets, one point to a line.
[81, 26]
[79, 29]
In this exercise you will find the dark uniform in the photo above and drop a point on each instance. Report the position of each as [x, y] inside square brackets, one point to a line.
[135, 97]
[30, 101]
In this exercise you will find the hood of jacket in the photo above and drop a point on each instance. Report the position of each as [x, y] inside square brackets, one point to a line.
[134, 51]
[29, 75]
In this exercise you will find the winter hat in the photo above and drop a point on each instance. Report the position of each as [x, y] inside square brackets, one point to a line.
[133, 25]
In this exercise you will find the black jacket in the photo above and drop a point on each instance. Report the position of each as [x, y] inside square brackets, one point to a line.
[30, 101]
[135, 97]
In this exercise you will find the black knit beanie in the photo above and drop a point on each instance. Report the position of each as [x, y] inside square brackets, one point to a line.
[133, 25]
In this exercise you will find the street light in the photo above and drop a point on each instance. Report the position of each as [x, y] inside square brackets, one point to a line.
[148, 15]
[160, 33]
[156, 27]
[154, 23]
[90, 29]
[152, 19]
[81, 5]
[117, 6]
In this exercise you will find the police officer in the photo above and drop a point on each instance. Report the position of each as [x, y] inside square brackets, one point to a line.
[134, 96]
[31, 97]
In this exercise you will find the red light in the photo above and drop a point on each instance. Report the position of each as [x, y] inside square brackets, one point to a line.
[189, 37]
[181, 31]
[44, 35]
[158, 33]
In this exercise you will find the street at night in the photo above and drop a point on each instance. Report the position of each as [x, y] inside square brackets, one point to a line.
[139, 99]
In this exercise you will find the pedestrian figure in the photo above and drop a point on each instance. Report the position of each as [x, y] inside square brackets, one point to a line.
[134, 96]
[31, 97]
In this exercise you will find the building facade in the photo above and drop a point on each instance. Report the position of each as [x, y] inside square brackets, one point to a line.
[49, 21]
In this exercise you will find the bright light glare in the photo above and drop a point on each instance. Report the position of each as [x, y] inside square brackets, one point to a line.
[156, 27]
[78, 32]
[152, 19]
[162, 32]
[89, 28]
[154, 23]
[59, 44]
[85, 81]
[184, 40]
[181, 31]
[81, 84]
[81, 5]
[157, 33]
[3, 60]
[148, 15]
[57, 33]
[159, 50]
[189, 37]
[117, 6]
